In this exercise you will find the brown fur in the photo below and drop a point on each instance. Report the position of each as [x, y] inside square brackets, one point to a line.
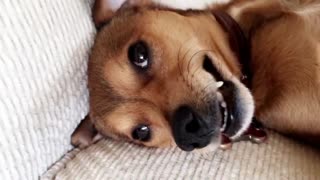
[291, 103]
[285, 62]
[146, 97]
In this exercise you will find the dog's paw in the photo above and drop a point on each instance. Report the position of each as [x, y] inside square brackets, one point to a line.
[255, 134]
[85, 134]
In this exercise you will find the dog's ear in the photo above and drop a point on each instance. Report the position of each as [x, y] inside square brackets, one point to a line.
[104, 10]
[251, 14]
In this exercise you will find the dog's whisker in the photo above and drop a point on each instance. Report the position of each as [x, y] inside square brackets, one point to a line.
[191, 58]
[208, 85]
[183, 57]
[192, 76]
[188, 66]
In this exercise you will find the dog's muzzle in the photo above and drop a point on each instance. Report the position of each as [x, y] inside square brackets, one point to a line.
[227, 114]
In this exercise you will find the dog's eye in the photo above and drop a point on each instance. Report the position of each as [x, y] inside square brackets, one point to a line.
[141, 133]
[138, 54]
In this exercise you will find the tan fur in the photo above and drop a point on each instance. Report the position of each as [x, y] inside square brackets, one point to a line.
[285, 45]
[286, 81]
[285, 63]
[155, 98]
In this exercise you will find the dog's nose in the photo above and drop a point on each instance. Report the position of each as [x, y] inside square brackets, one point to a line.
[190, 131]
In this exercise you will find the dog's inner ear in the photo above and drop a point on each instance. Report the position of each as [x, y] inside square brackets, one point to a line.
[104, 10]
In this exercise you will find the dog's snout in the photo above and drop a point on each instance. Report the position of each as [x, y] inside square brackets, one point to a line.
[190, 123]
[190, 130]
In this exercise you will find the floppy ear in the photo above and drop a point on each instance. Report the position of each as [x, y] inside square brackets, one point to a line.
[251, 14]
[104, 10]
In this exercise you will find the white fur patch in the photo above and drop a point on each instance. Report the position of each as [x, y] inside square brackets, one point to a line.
[179, 4]
[189, 4]
[115, 4]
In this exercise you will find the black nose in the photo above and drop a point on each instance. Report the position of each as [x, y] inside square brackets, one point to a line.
[190, 130]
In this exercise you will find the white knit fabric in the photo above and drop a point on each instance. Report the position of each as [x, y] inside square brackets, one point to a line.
[278, 159]
[43, 58]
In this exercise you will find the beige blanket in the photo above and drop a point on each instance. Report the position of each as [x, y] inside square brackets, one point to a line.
[279, 158]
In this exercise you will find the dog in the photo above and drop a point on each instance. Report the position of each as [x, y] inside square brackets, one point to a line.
[159, 76]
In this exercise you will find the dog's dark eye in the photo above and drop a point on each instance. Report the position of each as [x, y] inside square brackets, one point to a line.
[141, 133]
[138, 54]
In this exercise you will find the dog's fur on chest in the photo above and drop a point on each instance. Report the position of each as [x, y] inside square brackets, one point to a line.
[284, 37]
[285, 63]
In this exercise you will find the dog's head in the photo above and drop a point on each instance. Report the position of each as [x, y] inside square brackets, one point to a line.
[159, 76]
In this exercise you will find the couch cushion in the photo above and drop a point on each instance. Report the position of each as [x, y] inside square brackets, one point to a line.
[44, 49]
[279, 158]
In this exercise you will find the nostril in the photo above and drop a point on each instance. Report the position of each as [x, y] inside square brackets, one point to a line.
[193, 126]
[195, 145]
[186, 121]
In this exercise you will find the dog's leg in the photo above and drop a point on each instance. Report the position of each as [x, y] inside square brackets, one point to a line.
[85, 134]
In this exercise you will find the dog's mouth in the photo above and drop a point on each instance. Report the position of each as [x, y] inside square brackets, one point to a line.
[233, 119]
[225, 123]
[225, 115]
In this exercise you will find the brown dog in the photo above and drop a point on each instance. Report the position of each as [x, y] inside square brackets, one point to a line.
[160, 77]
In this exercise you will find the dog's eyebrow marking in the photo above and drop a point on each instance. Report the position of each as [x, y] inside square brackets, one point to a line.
[140, 100]
[109, 99]
[210, 68]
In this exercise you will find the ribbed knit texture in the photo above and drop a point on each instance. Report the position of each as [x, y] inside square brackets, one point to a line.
[278, 159]
[44, 48]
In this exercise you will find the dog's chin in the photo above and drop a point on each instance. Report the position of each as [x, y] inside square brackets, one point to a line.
[237, 111]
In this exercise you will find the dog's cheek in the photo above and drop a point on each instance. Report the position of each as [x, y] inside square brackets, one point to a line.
[123, 79]
[122, 121]
[161, 136]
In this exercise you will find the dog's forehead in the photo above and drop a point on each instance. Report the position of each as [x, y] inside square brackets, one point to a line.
[135, 20]
[152, 25]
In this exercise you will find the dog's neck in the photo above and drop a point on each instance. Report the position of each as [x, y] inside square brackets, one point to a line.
[239, 43]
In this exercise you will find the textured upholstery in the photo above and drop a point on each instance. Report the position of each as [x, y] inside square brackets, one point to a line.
[44, 47]
[279, 158]
[43, 59]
